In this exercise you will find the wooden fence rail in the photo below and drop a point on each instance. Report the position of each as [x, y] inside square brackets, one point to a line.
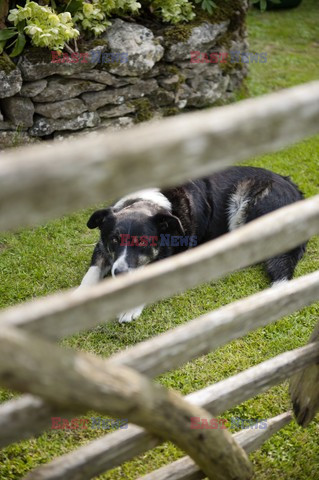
[56, 179]
[38, 183]
[249, 440]
[304, 389]
[64, 314]
[88, 382]
[115, 448]
[178, 346]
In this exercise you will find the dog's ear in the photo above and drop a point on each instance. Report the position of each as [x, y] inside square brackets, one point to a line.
[168, 223]
[98, 217]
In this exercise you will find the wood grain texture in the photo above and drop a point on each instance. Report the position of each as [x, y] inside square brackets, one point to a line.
[255, 380]
[304, 388]
[214, 329]
[250, 440]
[172, 349]
[113, 449]
[85, 382]
[45, 181]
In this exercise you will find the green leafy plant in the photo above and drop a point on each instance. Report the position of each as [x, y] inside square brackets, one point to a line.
[45, 28]
[61, 21]
[174, 11]
[92, 18]
[18, 40]
[95, 16]
[263, 3]
[207, 5]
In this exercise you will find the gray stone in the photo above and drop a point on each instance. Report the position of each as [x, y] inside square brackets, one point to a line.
[182, 104]
[10, 77]
[118, 124]
[45, 126]
[200, 70]
[163, 97]
[236, 79]
[205, 93]
[10, 126]
[15, 139]
[63, 89]
[106, 125]
[111, 88]
[36, 63]
[138, 42]
[101, 76]
[19, 110]
[169, 83]
[31, 89]
[111, 112]
[121, 81]
[158, 69]
[63, 109]
[202, 38]
[120, 95]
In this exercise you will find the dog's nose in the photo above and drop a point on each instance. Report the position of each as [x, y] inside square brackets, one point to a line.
[118, 270]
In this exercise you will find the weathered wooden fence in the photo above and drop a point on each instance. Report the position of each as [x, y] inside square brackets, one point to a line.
[41, 182]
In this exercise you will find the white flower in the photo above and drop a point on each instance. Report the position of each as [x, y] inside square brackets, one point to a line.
[13, 15]
[54, 19]
[65, 17]
[32, 29]
[87, 9]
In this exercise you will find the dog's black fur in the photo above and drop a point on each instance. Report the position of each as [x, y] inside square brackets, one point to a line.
[205, 208]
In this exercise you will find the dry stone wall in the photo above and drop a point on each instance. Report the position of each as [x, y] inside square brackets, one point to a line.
[40, 99]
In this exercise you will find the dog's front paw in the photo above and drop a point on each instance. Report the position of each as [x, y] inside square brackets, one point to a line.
[128, 317]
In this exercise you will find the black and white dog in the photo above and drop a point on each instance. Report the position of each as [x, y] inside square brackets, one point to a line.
[203, 209]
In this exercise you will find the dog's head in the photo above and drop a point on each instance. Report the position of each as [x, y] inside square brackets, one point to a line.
[131, 236]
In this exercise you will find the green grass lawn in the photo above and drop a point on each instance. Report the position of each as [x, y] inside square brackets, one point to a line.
[53, 257]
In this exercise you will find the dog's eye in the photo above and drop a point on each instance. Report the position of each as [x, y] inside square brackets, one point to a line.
[115, 240]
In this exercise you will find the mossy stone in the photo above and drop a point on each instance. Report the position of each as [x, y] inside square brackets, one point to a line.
[144, 109]
[170, 111]
[38, 55]
[232, 10]
[6, 64]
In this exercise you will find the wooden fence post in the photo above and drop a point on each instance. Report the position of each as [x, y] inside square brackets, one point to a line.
[304, 389]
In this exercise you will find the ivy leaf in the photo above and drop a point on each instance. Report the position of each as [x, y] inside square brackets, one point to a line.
[207, 5]
[20, 26]
[73, 6]
[2, 45]
[7, 33]
[19, 46]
